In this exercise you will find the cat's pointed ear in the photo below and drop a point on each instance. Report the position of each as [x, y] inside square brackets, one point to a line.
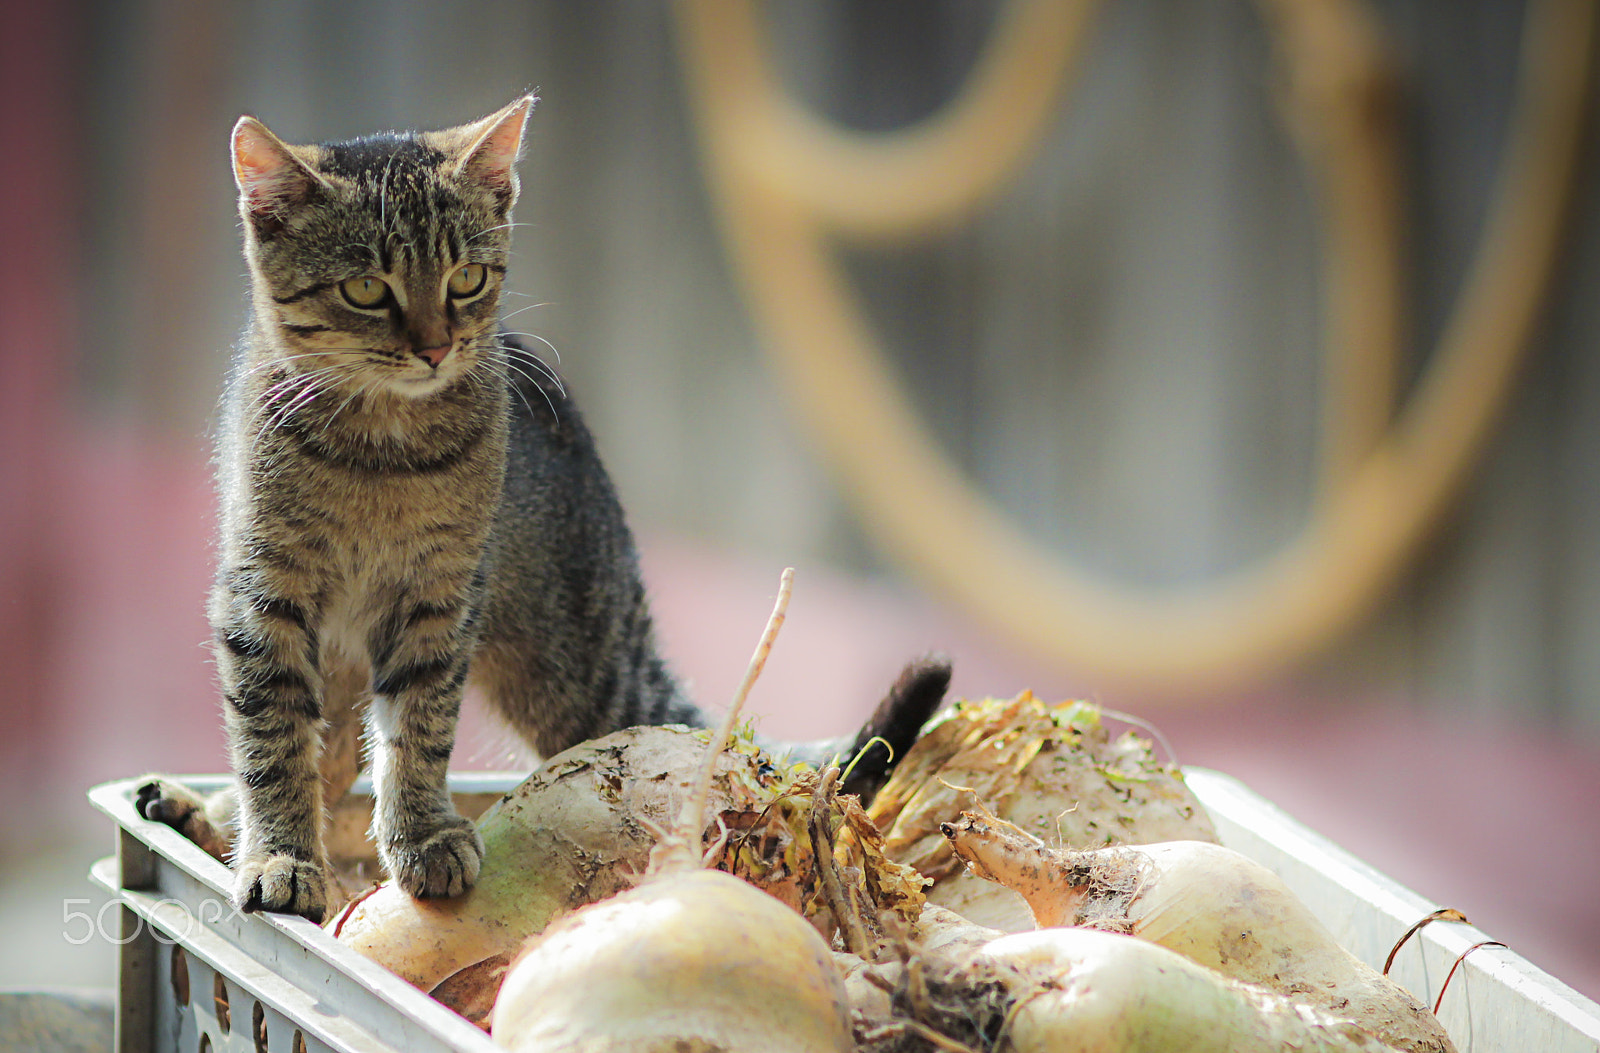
[493, 146]
[272, 180]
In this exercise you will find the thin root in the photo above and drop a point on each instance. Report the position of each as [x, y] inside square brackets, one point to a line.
[349, 908]
[1442, 914]
[922, 1031]
[1481, 943]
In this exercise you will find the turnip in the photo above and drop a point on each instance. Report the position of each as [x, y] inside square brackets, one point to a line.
[1082, 991]
[575, 832]
[700, 956]
[691, 959]
[1212, 905]
[962, 987]
[1056, 771]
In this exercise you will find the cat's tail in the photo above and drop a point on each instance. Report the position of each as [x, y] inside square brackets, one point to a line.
[872, 752]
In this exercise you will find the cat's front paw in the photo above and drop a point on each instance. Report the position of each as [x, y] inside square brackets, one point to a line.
[443, 864]
[281, 884]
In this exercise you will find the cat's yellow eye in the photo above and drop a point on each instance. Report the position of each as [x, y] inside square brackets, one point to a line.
[467, 280]
[365, 292]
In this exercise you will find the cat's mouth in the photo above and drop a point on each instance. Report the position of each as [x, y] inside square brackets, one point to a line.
[417, 383]
[418, 386]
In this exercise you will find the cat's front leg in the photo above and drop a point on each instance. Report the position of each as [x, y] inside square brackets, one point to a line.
[418, 680]
[266, 654]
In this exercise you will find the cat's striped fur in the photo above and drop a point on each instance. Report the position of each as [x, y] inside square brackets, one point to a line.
[409, 498]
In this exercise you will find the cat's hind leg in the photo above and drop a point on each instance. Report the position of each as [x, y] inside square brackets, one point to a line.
[207, 820]
[211, 820]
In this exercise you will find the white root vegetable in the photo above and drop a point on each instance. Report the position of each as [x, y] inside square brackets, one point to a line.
[1054, 770]
[690, 960]
[1212, 905]
[573, 833]
[1083, 991]
[959, 986]
[703, 956]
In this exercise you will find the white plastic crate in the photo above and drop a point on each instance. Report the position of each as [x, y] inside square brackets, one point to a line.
[1497, 1002]
[194, 976]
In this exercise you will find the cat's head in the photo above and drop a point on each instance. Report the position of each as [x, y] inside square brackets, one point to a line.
[379, 261]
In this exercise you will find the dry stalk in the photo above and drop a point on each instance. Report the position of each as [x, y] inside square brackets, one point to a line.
[680, 848]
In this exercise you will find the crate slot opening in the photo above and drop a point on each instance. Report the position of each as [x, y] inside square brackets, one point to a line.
[219, 995]
[180, 977]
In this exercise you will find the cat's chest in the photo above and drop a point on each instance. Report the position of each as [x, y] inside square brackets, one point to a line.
[364, 531]
[377, 512]
[381, 545]
[370, 491]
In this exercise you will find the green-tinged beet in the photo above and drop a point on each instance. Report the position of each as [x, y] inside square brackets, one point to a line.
[691, 960]
[571, 834]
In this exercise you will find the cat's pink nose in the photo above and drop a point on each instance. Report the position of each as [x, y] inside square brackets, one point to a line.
[434, 355]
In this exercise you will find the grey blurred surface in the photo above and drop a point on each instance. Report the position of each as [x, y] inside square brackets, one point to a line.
[58, 925]
[68, 1020]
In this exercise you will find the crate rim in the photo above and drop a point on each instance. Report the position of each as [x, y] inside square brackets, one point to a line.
[1227, 795]
[115, 799]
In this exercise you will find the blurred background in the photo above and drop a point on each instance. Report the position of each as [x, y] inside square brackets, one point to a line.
[1198, 357]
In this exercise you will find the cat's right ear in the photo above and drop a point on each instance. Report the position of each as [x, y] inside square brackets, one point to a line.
[272, 180]
[496, 143]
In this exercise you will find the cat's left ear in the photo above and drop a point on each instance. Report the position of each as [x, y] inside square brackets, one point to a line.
[272, 180]
[494, 145]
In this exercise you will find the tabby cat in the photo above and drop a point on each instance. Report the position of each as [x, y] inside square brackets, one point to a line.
[408, 499]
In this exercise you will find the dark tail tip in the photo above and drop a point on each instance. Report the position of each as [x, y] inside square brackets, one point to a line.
[917, 693]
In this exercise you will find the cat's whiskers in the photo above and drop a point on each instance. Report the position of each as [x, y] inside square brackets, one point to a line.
[272, 398]
[491, 230]
[277, 361]
[510, 366]
[542, 340]
[512, 314]
[507, 363]
[282, 386]
[283, 400]
[538, 364]
[363, 389]
[309, 377]
[532, 358]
